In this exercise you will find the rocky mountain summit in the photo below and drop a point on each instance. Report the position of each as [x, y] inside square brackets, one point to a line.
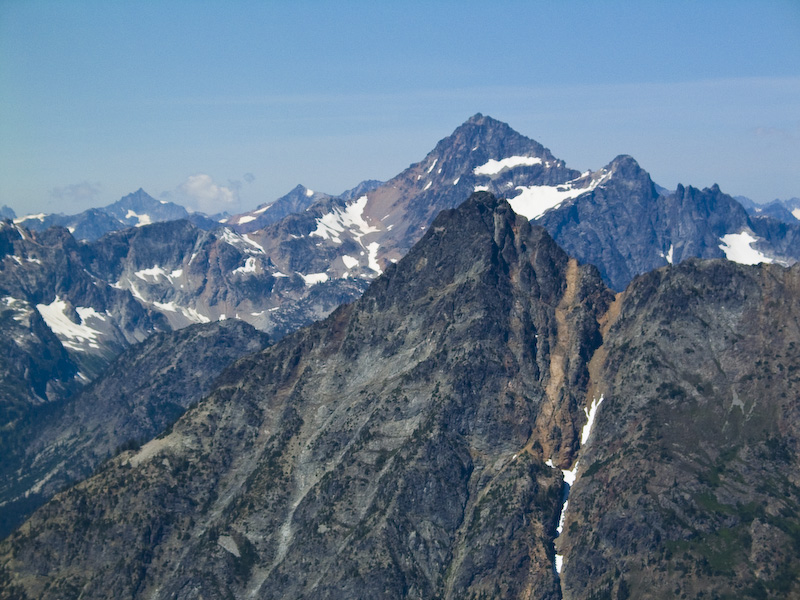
[133, 210]
[626, 227]
[411, 444]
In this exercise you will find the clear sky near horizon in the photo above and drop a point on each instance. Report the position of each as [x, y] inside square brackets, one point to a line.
[226, 105]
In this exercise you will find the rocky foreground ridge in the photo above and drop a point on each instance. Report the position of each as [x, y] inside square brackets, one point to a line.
[410, 445]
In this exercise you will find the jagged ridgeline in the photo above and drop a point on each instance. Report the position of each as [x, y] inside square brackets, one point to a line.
[402, 447]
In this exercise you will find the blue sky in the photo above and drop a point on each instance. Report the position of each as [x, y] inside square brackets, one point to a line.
[223, 106]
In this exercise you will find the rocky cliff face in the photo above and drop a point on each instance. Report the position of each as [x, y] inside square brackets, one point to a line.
[688, 486]
[141, 393]
[396, 449]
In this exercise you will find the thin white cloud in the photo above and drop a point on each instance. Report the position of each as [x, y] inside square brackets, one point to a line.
[201, 193]
[83, 192]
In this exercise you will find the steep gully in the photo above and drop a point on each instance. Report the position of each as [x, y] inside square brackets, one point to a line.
[594, 394]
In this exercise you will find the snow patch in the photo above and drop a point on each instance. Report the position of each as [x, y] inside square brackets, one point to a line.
[333, 224]
[572, 474]
[457, 179]
[246, 219]
[738, 248]
[481, 188]
[39, 217]
[435, 160]
[372, 249]
[796, 213]
[255, 244]
[152, 273]
[349, 261]
[248, 267]
[20, 307]
[75, 336]
[493, 167]
[314, 278]
[141, 219]
[535, 200]
[670, 254]
[590, 413]
[309, 193]
[189, 313]
[242, 243]
[427, 186]
[262, 209]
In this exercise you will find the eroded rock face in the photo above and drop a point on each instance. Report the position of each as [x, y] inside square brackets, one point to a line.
[688, 485]
[394, 450]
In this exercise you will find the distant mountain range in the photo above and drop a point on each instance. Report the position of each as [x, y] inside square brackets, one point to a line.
[420, 442]
[488, 328]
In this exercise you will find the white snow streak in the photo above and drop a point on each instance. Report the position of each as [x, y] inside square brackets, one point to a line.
[372, 249]
[493, 167]
[246, 219]
[535, 200]
[738, 248]
[190, 313]
[670, 254]
[559, 563]
[572, 474]
[591, 413]
[242, 243]
[40, 217]
[796, 213]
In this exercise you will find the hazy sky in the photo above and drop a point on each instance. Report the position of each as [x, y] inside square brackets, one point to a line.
[223, 106]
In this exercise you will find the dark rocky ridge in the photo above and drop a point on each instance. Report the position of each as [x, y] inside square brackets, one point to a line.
[396, 449]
